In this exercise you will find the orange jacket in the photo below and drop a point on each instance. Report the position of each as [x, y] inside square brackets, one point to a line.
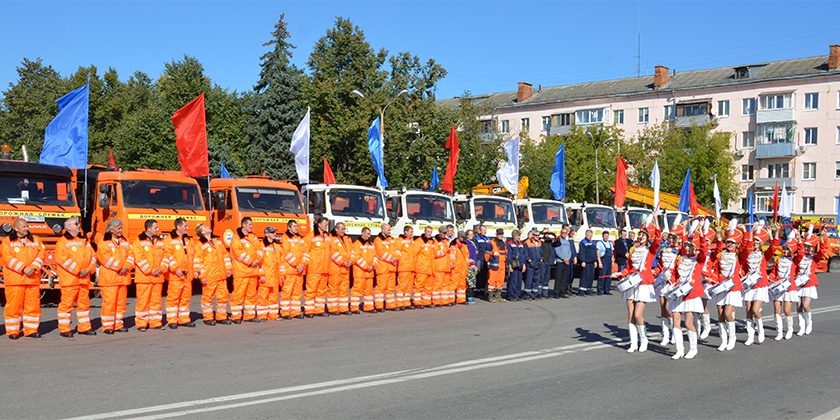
[443, 259]
[407, 253]
[72, 255]
[273, 264]
[342, 251]
[180, 253]
[149, 254]
[460, 254]
[294, 252]
[114, 254]
[318, 253]
[19, 253]
[386, 249]
[364, 258]
[425, 255]
[213, 260]
[244, 250]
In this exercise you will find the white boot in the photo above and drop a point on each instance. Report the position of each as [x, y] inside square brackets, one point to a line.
[671, 323]
[730, 326]
[809, 323]
[643, 340]
[760, 323]
[634, 338]
[678, 340]
[750, 332]
[780, 330]
[692, 345]
[801, 316]
[789, 333]
[723, 335]
[666, 331]
[707, 327]
[696, 323]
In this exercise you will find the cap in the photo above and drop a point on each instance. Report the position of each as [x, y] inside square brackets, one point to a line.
[462, 234]
[500, 231]
[442, 229]
[270, 230]
[535, 230]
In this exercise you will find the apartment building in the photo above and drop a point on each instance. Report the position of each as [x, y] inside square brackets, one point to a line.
[785, 116]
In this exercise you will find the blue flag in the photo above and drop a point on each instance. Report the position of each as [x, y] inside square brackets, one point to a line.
[752, 212]
[558, 175]
[66, 137]
[434, 180]
[375, 147]
[225, 173]
[685, 200]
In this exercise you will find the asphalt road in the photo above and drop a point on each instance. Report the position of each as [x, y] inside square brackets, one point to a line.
[542, 359]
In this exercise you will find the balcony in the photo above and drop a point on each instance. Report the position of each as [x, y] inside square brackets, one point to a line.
[770, 183]
[687, 121]
[773, 150]
[766, 116]
[559, 130]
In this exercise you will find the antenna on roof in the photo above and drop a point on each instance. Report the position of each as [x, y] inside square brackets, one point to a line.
[639, 52]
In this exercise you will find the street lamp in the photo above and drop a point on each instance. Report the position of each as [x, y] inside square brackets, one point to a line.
[597, 183]
[381, 109]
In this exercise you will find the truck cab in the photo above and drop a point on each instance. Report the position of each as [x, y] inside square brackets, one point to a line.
[493, 211]
[632, 218]
[357, 207]
[418, 209]
[668, 218]
[595, 217]
[541, 214]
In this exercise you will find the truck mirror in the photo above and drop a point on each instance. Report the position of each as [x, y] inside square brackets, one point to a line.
[317, 203]
[103, 199]
[104, 188]
[219, 200]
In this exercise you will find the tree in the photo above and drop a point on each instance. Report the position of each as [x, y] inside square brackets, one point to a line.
[273, 109]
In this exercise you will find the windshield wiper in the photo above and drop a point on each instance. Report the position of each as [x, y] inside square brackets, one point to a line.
[41, 200]
[180, 205]
[155, 202]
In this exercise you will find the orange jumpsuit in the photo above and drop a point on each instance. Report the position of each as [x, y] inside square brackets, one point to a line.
[244, 251]
[214, 261]
[23, 293]
[364, 262]
[180, 253]
[459, 272]
[318, 263]
[406, 254]
[441, 270]
[294, 252]
[423, 279]
[113, 255]
[498, 253]
[149, 254]
[72, 255]
[269, 292]
[385, 248]
[339, 284]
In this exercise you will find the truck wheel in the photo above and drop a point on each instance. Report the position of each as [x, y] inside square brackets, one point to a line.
[834, 265]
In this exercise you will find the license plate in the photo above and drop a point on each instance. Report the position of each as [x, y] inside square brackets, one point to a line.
[29, 218]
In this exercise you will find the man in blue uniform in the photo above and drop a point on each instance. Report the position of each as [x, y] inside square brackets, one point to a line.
[605, 263]
[515, 266]
[533, 256]
[483, 254]
[588, 255]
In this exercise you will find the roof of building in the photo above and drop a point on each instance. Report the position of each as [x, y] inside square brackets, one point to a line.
[694, 79]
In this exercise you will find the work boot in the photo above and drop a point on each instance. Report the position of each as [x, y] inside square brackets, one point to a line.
[210, 323]
[173, 326]
[13, 336]
[499, 297]
[67, 335]
[188, 324]
[491, 296]
[88, 332]
[225, 322]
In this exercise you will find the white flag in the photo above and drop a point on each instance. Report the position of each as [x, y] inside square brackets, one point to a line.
[654, 183]
[508, 175]
[300, 147]
[784, 203]
[717, 200]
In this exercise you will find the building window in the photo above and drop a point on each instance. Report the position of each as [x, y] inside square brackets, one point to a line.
[644, 115]
[838, 135]
[809, 171]
[488, 126]
[589, 116]
[836, 170]
[763, 202]
[776, 101]
[618, 116]
[748, 106]
[691, 110]
[723, 108]
[546, 123]
[777, 170]
[811, 135]
[748, 139]
[812, 101]
[525, 123]
[560, 120]
[505, 126]
[745, 203]
[776, 133]
[746, 173]
[808, 204]
[669, 112]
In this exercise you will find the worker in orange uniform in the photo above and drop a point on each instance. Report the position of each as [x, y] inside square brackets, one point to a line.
[75, 261]
[459, 272]
[364, 262]
[423, 278]
[183, 268]
[318, 246]
[268, 291]
[385, 248]
[338, 289]
[247, 256]
[215, 268]
[441, 268]
[407, 254]
[294, 251]
[498, 257]
[116, 258]
[23, 260]
[150, 263]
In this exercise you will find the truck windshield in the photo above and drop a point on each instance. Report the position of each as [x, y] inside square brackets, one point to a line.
[637, 218]
[275, 200]
[353, 202]
[549, 213]
[429, 207]
[38, 190]
[161, 194]
[493, 209]
[600, 217]
[675, 218]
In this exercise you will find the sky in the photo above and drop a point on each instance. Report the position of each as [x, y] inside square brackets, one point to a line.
[485, 47]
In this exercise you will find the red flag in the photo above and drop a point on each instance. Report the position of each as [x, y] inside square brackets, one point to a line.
[111, 162]
[191, 138]
[449, 178]
[775, 204]
[692, 200]
[620, 182]
[328, 175]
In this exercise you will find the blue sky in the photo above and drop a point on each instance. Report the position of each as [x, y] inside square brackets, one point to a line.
[485, 46]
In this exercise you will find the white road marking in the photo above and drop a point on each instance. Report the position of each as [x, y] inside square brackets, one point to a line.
[831, 415]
